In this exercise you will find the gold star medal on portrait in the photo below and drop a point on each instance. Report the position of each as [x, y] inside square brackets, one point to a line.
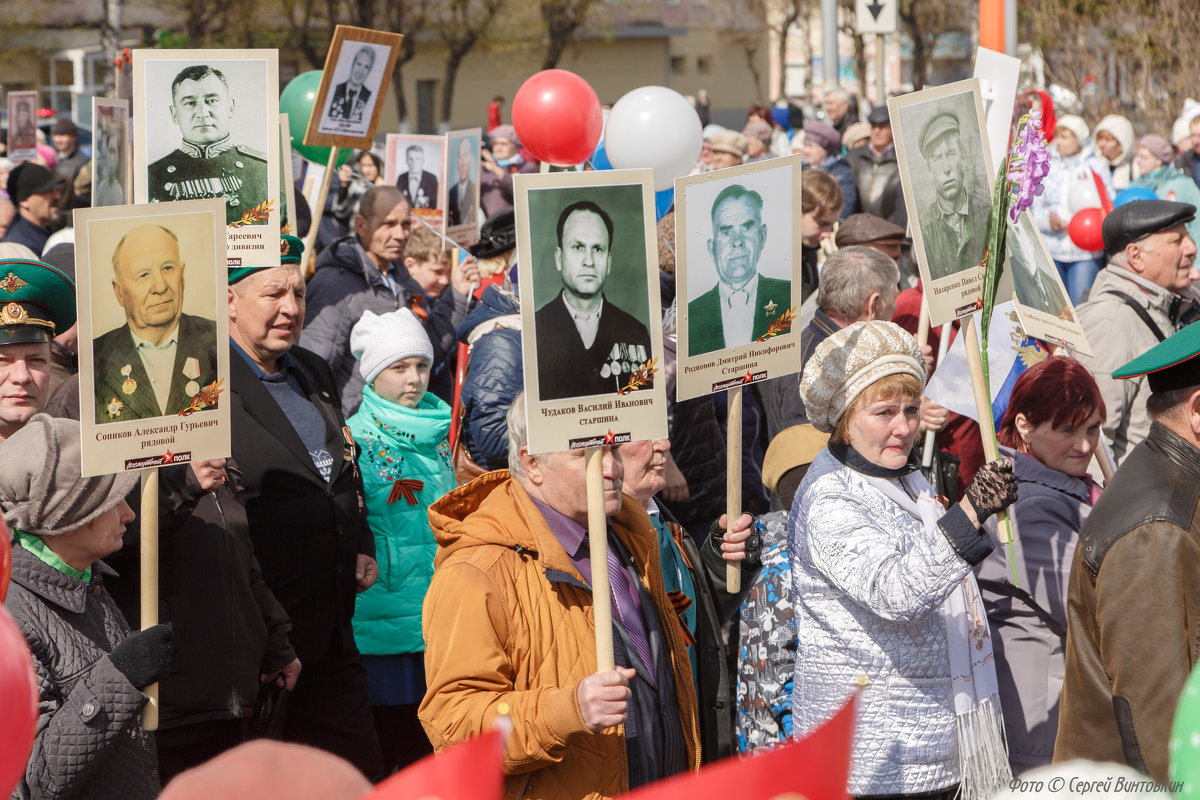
[191, 371]
[130, 385]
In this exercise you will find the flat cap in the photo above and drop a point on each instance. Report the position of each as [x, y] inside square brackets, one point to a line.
[37, 301]
[1173, 363]
[879, 116]
[944, 124]
[869, 229]
[1135, 221]
[731, 142]
[65, 126]
[824, 135]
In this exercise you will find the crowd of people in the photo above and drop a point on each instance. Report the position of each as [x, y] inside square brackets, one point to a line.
[382, 569]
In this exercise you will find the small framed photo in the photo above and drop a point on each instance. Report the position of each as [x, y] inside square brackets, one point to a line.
[207, 126]
[358, 71]
[112, 167]
[1041, 299]
[153, 334]
[22, 126]
[462, 191]
[591, 321]
[416, 165]
[946, 172]
[737, 275]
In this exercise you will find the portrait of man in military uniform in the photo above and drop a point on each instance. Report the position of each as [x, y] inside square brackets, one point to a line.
[1035, 278]
[208, 162]
[22, 131]
[352, 97]
[586, 344]
[161, 358]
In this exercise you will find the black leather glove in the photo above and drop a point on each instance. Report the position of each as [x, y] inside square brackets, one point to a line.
[993, 489]
[144, 656]
[753, 560]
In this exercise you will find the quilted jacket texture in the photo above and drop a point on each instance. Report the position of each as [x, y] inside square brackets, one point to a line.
[89, 741]
[868, 583]
[500, 627]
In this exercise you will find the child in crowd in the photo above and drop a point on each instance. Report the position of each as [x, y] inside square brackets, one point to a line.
[405, 464]
[428, 261]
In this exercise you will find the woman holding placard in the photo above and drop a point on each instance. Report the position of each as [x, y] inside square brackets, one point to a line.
[882, 584]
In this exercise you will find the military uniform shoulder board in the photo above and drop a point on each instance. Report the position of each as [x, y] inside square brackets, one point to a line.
[251, 152]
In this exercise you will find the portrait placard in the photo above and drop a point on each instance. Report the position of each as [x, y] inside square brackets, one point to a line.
[591, 320]
[22, 126]
[153, 334]
[737, 273]
[462, 190]
[112, 167]
[206, 126]
[287, 183]
[416, 166]
[946, 172]
[1042, 302]
[356, 77]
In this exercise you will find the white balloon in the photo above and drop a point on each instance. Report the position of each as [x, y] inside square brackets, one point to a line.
[654, 127]
[1083, 195]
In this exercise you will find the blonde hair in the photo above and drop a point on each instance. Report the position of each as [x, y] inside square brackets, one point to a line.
[887, 388]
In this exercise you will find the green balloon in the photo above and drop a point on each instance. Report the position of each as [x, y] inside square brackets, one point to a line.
[1184, 745]
[297, 102]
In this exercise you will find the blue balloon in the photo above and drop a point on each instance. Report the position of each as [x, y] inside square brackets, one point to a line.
[600, 158]
[1134, 193]
[663, 202]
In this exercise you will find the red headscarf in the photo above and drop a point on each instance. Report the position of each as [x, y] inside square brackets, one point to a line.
[1049, 120]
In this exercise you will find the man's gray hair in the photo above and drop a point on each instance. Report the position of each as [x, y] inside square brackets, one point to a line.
[839, 94]
[518, 435]
[849, 278]
[370, 51]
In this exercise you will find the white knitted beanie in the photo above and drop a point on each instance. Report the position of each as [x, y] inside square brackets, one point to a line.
[851, 360]
[380, 340]
[1075, 125]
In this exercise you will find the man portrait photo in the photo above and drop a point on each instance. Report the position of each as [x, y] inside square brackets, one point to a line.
[463, 202]
[207, 162]
[22, 133]
[1035, 288]
[160, 358]
[109, 162]
[420, 188]
[742, 305]
[351, 97]
[954, 223]
[586, 345]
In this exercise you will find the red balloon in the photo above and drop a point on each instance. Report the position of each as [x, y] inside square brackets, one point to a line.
[18, 698]
[1085, 230]
[558, 117]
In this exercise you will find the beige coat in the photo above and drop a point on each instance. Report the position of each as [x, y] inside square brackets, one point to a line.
[1117, 335]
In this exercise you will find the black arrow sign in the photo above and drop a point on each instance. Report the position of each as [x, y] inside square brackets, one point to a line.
[876, 9]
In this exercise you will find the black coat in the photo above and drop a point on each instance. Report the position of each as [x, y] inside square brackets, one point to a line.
[307, 532]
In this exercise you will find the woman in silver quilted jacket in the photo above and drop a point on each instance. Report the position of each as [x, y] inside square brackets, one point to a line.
[882, 585]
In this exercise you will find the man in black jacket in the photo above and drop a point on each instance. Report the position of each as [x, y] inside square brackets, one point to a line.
[303, 499]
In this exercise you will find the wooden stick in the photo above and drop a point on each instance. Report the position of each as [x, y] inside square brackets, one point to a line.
[943, 346]
[318, 211]
[923, 323]
[598, 541]
[983, 408]
[149, 596]
[733, 480]
[1104, 457]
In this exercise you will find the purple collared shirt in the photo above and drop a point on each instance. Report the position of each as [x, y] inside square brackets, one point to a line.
[625, 601]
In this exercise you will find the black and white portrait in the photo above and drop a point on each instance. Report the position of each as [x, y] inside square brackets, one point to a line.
[591, 324]
[462, 202]
[946, 165]
[110, 153]
[1035, 278]
[208, 127]
[356, 78]
[739, 258]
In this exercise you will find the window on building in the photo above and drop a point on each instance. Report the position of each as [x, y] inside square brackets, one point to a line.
[704, 65]
[678, 65]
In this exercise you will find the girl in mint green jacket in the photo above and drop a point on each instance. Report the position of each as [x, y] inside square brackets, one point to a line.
[405, 465]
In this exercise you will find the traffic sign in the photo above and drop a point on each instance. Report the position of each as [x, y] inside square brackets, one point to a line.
[875, 16]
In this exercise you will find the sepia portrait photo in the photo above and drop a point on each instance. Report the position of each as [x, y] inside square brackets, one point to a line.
[588, 262]
[208, 128]
[22, 126]
[111, 168]
[153, 321]
[945, 169]
[737, 267]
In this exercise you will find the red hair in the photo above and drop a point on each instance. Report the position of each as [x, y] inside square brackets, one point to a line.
[1058, 390]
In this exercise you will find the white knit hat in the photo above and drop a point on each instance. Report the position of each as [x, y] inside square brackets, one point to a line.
[1075, 125]
[380, 340]
[851, 360]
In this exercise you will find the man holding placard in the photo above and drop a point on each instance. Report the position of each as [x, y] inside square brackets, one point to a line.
[508, 622]
[594, 344]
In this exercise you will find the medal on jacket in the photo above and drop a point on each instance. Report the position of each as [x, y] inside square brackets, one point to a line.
[130, 385]
[348, 450]
[191, 371]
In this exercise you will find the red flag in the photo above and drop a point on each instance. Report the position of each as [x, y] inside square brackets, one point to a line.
[469, 771]
[816, 767]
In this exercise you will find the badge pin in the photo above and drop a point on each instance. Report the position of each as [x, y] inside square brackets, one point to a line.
[170, 169]
[191, 389]
[129, 386]
[769, 307]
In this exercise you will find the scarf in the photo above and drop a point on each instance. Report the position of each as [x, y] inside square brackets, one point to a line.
[982, 753]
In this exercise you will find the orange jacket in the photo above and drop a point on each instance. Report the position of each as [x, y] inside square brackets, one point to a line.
[498, 630]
